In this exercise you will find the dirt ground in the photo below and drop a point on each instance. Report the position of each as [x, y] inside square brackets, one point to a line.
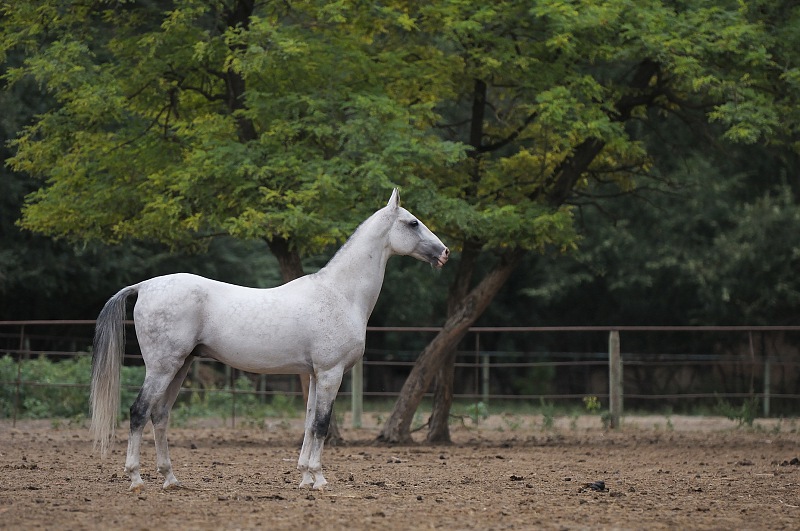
[506, 473]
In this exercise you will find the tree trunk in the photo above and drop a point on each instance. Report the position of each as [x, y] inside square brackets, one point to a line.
[288, 259]
[291, 267]
[438, 424]
[238, 15]
[567, 174]
[398, 427]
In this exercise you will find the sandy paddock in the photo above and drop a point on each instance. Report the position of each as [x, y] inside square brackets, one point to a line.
[507, 473]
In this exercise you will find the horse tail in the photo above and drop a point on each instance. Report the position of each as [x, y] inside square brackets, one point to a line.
[109, 347]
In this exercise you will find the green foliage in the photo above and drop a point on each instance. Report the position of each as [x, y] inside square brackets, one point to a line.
[548, 411]
[65, 395]
[477, 412]
[57, 388]
[513, 422]
[711, 240]
[37, 274]
[230, 121]
[744, 415]
[591, 403]
[211, 402]
[276, 120]
[593, 407]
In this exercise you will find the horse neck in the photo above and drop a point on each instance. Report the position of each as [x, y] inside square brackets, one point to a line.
[357, 269]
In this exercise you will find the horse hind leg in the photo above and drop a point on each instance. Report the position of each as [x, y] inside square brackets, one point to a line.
[140, 411]
[151, 393]
[160, 417]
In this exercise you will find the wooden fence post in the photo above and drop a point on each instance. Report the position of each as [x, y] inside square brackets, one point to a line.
[485, 378]
[767, 384]
[24, 353]
[357, 391]
[614, 380]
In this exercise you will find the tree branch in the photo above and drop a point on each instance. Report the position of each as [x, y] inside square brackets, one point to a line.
[567, 173]
[510, 138]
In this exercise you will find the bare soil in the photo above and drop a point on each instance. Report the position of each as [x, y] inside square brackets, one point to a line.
[505, 473]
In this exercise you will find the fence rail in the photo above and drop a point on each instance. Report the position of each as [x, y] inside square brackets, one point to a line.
[747, 362]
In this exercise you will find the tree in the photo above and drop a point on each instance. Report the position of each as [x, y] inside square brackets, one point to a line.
[554, 100]
[211, 117]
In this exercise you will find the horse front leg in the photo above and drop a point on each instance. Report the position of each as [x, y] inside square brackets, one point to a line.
[309, 383]
[323, 388]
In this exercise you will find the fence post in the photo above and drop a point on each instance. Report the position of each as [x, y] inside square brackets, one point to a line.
[17, 389]
[767, 384]
[485, 364]
[484, 371]
[614, 379]
[357, 391]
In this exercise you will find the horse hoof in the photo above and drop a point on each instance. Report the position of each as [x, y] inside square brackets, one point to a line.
[308, 479]
[320, 484]
[173, 485]
[136, 488]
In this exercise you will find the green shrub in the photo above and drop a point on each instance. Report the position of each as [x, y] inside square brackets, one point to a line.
[47, 388]
[745, 414]
[548, 411]
[60, 389]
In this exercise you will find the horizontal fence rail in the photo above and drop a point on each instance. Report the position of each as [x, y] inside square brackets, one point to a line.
[645, 367]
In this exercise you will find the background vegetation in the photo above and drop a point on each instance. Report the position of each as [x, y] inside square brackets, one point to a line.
[590, 161]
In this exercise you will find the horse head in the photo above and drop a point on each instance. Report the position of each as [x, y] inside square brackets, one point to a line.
[408, 236]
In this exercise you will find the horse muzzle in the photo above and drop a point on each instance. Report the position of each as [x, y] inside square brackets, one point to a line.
[441, 260]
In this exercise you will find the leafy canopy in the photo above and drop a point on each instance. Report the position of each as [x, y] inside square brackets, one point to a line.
[175, 125]
[178, 120]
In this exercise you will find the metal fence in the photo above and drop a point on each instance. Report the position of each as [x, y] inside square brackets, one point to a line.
[648, 368]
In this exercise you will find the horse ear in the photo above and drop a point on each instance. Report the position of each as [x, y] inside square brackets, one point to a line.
[394, 201]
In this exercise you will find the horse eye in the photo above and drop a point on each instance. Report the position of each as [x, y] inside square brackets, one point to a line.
[413, 223]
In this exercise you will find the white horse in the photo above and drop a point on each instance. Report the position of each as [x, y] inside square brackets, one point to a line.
[314, 325]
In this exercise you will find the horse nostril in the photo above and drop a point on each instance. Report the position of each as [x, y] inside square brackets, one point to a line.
[446, 251]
